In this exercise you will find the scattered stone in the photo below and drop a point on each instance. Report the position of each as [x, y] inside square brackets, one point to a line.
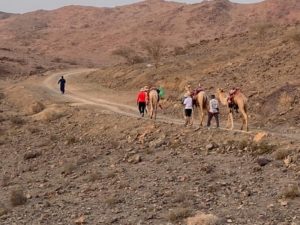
[135, 159]
[80, 220]
[283, 202]
[31, 155]
[287, 161]
[210, 146]
[260, 136]
[203, 219]
[263, 161]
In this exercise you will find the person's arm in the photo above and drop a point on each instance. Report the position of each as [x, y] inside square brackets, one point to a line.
[137, 99]
[58, 81]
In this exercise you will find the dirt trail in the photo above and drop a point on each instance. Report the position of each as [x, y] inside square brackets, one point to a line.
[76, 95]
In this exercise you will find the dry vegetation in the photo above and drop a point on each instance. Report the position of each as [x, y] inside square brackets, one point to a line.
[17, 197]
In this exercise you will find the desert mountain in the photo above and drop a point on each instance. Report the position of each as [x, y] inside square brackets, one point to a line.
[88, 35]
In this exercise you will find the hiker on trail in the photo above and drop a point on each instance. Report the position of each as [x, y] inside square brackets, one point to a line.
[213, 110]
[141, 101]
[188, 109]
[62, 83]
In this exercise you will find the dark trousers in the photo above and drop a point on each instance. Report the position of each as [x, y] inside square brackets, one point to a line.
[210, 116]
[62, 89]
[142, 106]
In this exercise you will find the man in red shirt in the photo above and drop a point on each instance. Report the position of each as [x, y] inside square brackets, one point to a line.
[141, 101]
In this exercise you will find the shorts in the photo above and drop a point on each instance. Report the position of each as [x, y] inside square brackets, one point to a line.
[188, 112]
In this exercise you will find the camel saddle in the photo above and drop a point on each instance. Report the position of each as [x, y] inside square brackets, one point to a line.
[230, 99]
[194, 94]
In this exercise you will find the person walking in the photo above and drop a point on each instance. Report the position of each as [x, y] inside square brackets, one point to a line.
[188, 109]
[213, 111]
[62, 83]
[141, 101]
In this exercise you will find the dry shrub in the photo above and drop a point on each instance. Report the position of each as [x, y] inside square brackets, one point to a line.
[94, 177]
[16, 120]
[203, 219]
[2, 96]
[262, 148]
[182, 197]
[292, 191]
[111, 174]
[294, 36]
[71, 140]
[281, 154]
[50, 114]
[17, 197]
[129, 55]
[33, 130]
[5, 181]
[35, 108]
[3, 209]
[178, 214]
[179, 51]
[154, 49]
[113, 200]
[69, 167]
[262, 29]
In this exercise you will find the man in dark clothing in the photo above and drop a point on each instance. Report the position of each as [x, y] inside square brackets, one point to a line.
[62, 83]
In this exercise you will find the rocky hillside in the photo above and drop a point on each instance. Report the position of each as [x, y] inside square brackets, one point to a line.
[95, 33]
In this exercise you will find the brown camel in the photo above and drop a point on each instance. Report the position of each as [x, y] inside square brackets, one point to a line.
[153, 102]
[202, 103]
[240, 100]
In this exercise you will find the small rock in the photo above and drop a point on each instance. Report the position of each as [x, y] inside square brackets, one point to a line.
[80, 220]
[283, 202]
[135, 159]
[31, 155]
[229, 221]
[259, 136]
[263, 161]
[210, 147]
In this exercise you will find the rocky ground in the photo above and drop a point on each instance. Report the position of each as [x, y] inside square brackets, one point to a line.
[64, 163]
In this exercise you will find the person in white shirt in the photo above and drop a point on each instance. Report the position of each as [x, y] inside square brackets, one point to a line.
[213, 110]
[188, 109]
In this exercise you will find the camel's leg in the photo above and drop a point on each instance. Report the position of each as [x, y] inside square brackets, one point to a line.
[151, 110]
[231, 120]
[200, 117]
[245, 120]
[228, 121]
[155, 111]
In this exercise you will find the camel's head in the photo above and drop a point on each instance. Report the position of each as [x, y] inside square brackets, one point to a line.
[220, 91]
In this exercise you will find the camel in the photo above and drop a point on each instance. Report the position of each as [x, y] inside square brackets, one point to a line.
[202, 103]
[153, 102]
[241, 101]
